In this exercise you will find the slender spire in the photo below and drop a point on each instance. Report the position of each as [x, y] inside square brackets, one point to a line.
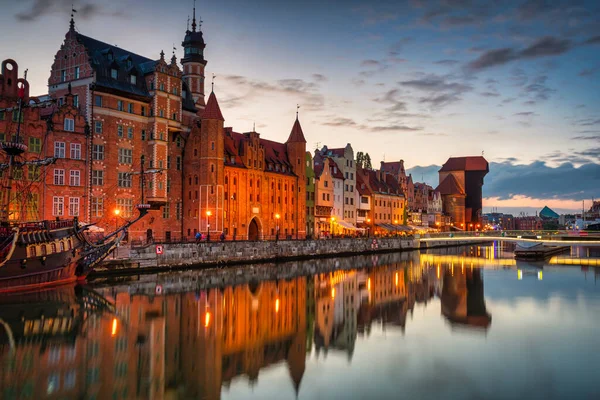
[297, 109]
[194, 19]
[212, 89]
[72, 23]
[188, 24]
[254, 126]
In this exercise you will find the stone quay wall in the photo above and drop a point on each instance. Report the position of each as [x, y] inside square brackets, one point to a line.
[210, 254]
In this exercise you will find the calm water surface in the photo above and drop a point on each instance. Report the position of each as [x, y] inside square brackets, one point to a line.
[466, 323]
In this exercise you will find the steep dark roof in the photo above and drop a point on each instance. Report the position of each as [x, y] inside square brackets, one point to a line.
[477, 163]
[296, 135]
[450, 186]
[212, 109]
[361, 184]
[393, 167]
[98, 53]
[335, 169]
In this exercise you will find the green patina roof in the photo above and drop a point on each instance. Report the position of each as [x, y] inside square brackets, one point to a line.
[548, 213]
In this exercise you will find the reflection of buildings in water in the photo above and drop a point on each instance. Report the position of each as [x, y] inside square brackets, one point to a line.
[337, 298]
[389, 297]
[239, 330]
[462, 298]
[49, 359]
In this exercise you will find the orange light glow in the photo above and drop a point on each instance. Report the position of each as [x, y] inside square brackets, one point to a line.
[113, 331]
[207, 319]
[208, 213]
[277, 216]
[277, 305]
[396, 279]
[369, 284]
[117, 211]
[333, 293]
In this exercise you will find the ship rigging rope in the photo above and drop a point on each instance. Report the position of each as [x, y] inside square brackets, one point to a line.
[12, 247]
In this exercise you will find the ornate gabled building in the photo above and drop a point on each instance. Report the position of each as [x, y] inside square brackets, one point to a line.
[243, 186]
[131, 113]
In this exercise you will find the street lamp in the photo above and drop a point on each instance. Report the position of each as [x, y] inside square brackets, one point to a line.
[208, 214]
[396, 229]
[116, 212]
[332, 226]
[277, 216]
[369, 227]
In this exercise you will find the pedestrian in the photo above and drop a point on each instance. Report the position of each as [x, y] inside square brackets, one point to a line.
[222, 237]
[198, 237]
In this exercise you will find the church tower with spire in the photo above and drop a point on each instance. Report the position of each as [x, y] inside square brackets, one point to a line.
[193, 62]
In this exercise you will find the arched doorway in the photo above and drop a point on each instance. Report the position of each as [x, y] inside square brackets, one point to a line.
[253, 230]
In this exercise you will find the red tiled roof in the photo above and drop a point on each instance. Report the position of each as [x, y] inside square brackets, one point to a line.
[394, 167]
[335, 169]
[296, 135]
[477, 163]
[450, 186]
[361, 185]
[212, 109]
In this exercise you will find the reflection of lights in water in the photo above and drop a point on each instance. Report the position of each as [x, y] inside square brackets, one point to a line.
[333, 293]
[396, 279]
[277, 305]
[519, 274]
[207, 319]
[540, 275]
[113, 331]
[369, 284]
[438, 272]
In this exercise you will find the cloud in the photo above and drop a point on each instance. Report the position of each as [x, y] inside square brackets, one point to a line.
[319, 77]
[447, 62]
[340, 121]
[596, 137]
[490, 94]
[507, 180]
[538, 90]
[307, 93]
[593, 40]
[391, 98]
[589, 71]
[544, 47]
[526, 114]
[86, 10]
[370, 63]
[389, 128]
[397, 47]
[439, 90]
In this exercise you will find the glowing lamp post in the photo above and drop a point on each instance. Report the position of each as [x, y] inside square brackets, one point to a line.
[208, 214]
[369, 227]
[277, 216]
[117, 212]
[332, 227]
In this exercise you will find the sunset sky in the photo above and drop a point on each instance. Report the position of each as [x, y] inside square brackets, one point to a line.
[415, 80]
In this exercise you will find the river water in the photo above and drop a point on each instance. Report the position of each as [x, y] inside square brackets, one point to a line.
[461, 323]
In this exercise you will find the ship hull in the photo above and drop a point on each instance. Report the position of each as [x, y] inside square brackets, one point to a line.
[42, 258]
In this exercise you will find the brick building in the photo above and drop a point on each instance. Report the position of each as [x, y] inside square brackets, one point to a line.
[461, 182]
[111, 111]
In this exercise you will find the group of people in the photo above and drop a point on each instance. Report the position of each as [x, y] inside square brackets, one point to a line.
[200, 237]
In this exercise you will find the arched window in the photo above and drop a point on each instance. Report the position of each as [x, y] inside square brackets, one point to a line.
[196, 179]
[32, 251]
[70, 245]
[212, 167]
[234, 181]
[53, 247]
[226, 180]
[44, 250]
[250, 182]
[258, 183]
[190, 180]
[62, 246]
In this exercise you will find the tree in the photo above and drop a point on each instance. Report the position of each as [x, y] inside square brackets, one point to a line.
[360, 159]
[367, 161]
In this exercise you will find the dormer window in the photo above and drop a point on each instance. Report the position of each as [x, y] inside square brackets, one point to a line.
[183, 94]
[133, 79]
[233, 159]
[114, 73]
[128, 63]
[110, 56]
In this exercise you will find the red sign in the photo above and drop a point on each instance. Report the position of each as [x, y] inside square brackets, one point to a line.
[159, 249]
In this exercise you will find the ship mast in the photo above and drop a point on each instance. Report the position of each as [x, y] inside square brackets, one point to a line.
[12, 149]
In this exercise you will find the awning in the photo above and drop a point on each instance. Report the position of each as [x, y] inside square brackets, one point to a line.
[346, 225]
[396, 228]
